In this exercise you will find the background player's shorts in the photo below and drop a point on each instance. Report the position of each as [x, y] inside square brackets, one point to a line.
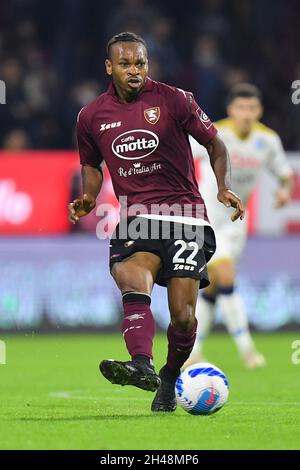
[231, 239]
[184, 249]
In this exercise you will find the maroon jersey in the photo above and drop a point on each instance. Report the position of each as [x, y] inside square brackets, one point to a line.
[145, 145]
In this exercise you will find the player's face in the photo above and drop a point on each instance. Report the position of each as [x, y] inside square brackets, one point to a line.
[128, 66]
[245, 112]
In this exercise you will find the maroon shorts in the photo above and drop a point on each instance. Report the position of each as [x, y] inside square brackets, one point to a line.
[183, 249]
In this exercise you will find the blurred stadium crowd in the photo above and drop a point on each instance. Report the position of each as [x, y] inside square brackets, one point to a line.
[52, 54]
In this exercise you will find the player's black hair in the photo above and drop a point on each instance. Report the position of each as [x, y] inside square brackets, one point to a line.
[243, 90]
[126, 36]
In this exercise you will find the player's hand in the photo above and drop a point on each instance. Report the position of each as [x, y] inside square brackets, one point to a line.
[229, 199]
[80, 207]
[282, 197]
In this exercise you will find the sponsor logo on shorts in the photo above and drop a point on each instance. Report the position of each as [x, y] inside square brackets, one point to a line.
[184, 267]
[135, 144]
[152, 115]
[129, 243]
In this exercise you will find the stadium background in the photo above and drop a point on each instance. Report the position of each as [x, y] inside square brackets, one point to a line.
[51, 59]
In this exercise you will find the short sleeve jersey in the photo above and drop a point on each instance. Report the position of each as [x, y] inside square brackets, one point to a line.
[145, 146]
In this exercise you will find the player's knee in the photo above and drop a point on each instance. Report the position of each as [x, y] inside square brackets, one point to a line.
[211, 290]
[226, 280]
[183, 317]
[137, 280]
[225, 274]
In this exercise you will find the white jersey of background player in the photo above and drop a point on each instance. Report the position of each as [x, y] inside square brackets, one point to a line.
[252, 146]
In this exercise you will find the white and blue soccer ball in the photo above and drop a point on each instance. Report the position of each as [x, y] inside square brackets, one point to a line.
[202, 389]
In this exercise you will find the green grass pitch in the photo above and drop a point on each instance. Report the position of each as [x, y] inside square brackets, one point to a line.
[53, 397]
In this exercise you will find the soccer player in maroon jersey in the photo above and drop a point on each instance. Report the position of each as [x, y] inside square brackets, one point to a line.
[140, 128]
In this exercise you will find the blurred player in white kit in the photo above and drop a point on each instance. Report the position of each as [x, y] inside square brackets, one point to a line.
[252, 146]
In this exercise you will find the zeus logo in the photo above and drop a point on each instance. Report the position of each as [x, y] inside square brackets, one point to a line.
[111, 125]
[186, 267]
[135, 144]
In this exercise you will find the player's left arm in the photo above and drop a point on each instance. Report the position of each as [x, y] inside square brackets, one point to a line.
[284, 192]
[196, 123]
[220, 164]
[278, 165]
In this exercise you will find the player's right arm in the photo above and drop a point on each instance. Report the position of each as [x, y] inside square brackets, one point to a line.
[277, 163]
[92, 180]
[91, 170]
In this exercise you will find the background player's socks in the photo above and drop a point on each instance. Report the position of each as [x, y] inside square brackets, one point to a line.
[234, 314]
[179, 347]
[138, 326]
[205, 313]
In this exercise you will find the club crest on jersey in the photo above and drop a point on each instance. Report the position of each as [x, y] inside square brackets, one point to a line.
[152, 115]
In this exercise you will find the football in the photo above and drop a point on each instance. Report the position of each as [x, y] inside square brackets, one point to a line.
[202, 389]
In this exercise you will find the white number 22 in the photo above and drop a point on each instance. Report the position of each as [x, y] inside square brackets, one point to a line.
[183, 247]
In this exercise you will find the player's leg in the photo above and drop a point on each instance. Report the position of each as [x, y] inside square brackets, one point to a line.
[182, 297]
[135, 276]
[205, 314]
[234, 313]
[206, 304]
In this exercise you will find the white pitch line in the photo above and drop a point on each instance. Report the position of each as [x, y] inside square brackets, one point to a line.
[264, 403]
[72, 395]
[59, 395]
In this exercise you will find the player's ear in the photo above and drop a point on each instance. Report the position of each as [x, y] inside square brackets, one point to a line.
[108, 67]
[228, 110]
[260, 112]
